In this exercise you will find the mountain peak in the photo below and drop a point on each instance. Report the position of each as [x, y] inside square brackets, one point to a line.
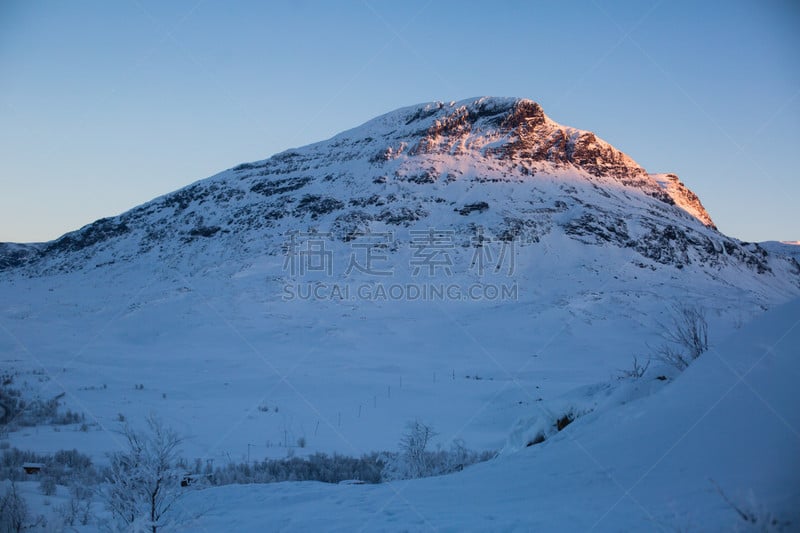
[514, 130]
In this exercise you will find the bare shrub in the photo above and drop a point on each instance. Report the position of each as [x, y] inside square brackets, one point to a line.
[686, 338]
[13, 510]
[755, 516]
[636, 371]
[48, 486]
[78, 509]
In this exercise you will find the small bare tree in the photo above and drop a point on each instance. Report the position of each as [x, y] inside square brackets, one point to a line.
[144, 482]
[13, 510]
[686, 338]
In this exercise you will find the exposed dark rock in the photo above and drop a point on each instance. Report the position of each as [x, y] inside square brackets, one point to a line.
[564, 421]
[16, 255]
[279, 186]
[103, 230]
[479, 207]
[316, 205]
[402, 216]
[204, 231]
[524, 231]
[348, 225]
[600, 228]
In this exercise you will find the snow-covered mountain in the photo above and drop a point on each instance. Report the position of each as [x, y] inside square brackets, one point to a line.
[463, 264]
[498, 164]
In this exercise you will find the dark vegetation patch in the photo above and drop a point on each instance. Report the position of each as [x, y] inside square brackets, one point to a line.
[317, 467]
[65, 467]
[16, 411]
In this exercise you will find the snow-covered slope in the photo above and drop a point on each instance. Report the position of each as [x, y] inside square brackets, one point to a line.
[726, 429]
[788, 249]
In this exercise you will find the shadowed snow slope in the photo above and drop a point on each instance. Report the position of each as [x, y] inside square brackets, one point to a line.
[729, 423]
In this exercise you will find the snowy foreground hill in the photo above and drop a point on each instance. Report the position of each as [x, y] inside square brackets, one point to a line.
[474, 266]
[721, 439]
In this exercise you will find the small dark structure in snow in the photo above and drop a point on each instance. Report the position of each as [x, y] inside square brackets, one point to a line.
[32, 468]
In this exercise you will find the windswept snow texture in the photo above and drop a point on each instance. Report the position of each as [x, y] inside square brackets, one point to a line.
[561, 259]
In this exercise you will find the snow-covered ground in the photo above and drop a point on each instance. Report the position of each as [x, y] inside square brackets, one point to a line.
[727, 428]
[243, 373]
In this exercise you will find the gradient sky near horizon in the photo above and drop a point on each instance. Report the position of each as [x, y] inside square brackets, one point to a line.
[106, 105]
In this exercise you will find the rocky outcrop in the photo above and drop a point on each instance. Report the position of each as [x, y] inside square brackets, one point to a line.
[683, 197]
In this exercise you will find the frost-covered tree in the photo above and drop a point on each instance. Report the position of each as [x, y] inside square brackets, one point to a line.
[413, 446]
[414, 460]
[144, 483]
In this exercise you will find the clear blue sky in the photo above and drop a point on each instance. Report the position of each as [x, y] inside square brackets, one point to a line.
[105, 105]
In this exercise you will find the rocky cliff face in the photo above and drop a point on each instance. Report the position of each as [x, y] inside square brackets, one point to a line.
[683, 197]
[495, 166]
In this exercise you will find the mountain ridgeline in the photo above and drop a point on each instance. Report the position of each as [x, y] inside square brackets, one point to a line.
[498, 165]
